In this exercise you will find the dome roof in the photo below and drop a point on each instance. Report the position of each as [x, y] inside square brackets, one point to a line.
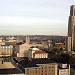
[35, 49]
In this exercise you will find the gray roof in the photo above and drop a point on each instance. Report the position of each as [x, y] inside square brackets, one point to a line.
[33, 62]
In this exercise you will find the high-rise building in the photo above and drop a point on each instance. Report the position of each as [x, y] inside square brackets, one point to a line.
[71, 27]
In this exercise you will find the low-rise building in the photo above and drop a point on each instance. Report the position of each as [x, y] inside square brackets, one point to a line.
[37, 53]
[23, 50]
[59, 45]
[40, 54]
[42, 69]
[64, 69]
[8, 68]
[41, 66]
[44, 66]
[6, 50]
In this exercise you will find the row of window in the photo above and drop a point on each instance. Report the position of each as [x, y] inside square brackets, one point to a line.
[32, 72]
[44, 70]
[47, 67]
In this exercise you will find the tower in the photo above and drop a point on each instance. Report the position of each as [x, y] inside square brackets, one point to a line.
[27, 39]
[71, 27]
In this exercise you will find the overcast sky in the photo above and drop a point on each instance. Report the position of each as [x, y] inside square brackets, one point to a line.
[41, 17]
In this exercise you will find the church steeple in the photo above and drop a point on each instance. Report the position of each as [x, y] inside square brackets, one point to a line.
[27, 39]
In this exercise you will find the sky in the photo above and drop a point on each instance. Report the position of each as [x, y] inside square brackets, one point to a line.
[34, 17]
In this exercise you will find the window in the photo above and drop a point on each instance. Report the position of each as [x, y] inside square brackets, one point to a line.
[52, 70]
[49, 67]
[27, 70]
[45, 67]
[35, 71]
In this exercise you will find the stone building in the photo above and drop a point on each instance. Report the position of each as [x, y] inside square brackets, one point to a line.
[71, 29]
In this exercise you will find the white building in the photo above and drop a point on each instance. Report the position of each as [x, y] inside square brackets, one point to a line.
[6, 50]
[64, 69]
[23, 50]
[40, 54]
[36, 53]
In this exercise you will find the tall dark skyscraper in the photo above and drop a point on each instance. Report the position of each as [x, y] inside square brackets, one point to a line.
[71, 29]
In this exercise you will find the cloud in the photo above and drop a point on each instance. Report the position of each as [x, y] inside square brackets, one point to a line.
[44, 16]
[27, 20]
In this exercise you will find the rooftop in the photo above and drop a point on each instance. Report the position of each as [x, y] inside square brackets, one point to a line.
[33, 62]
[10, 71]
[34, 49]
[40, 52]
[6, 65]
[9, 67]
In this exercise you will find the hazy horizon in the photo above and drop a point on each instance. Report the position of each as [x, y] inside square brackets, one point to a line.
[34, 17]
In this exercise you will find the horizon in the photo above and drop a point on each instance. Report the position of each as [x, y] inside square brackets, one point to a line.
[31, 35]
[34, 17]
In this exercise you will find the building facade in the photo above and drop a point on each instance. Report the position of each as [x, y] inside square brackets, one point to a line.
[36, 53]
[48, 69]
[43, 69]
[40, 54]
[23, 50]
[68, 46]
[64, 69]
[6, 50]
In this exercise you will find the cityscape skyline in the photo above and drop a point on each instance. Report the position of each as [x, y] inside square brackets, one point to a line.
[41, 17]
[26, 47]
